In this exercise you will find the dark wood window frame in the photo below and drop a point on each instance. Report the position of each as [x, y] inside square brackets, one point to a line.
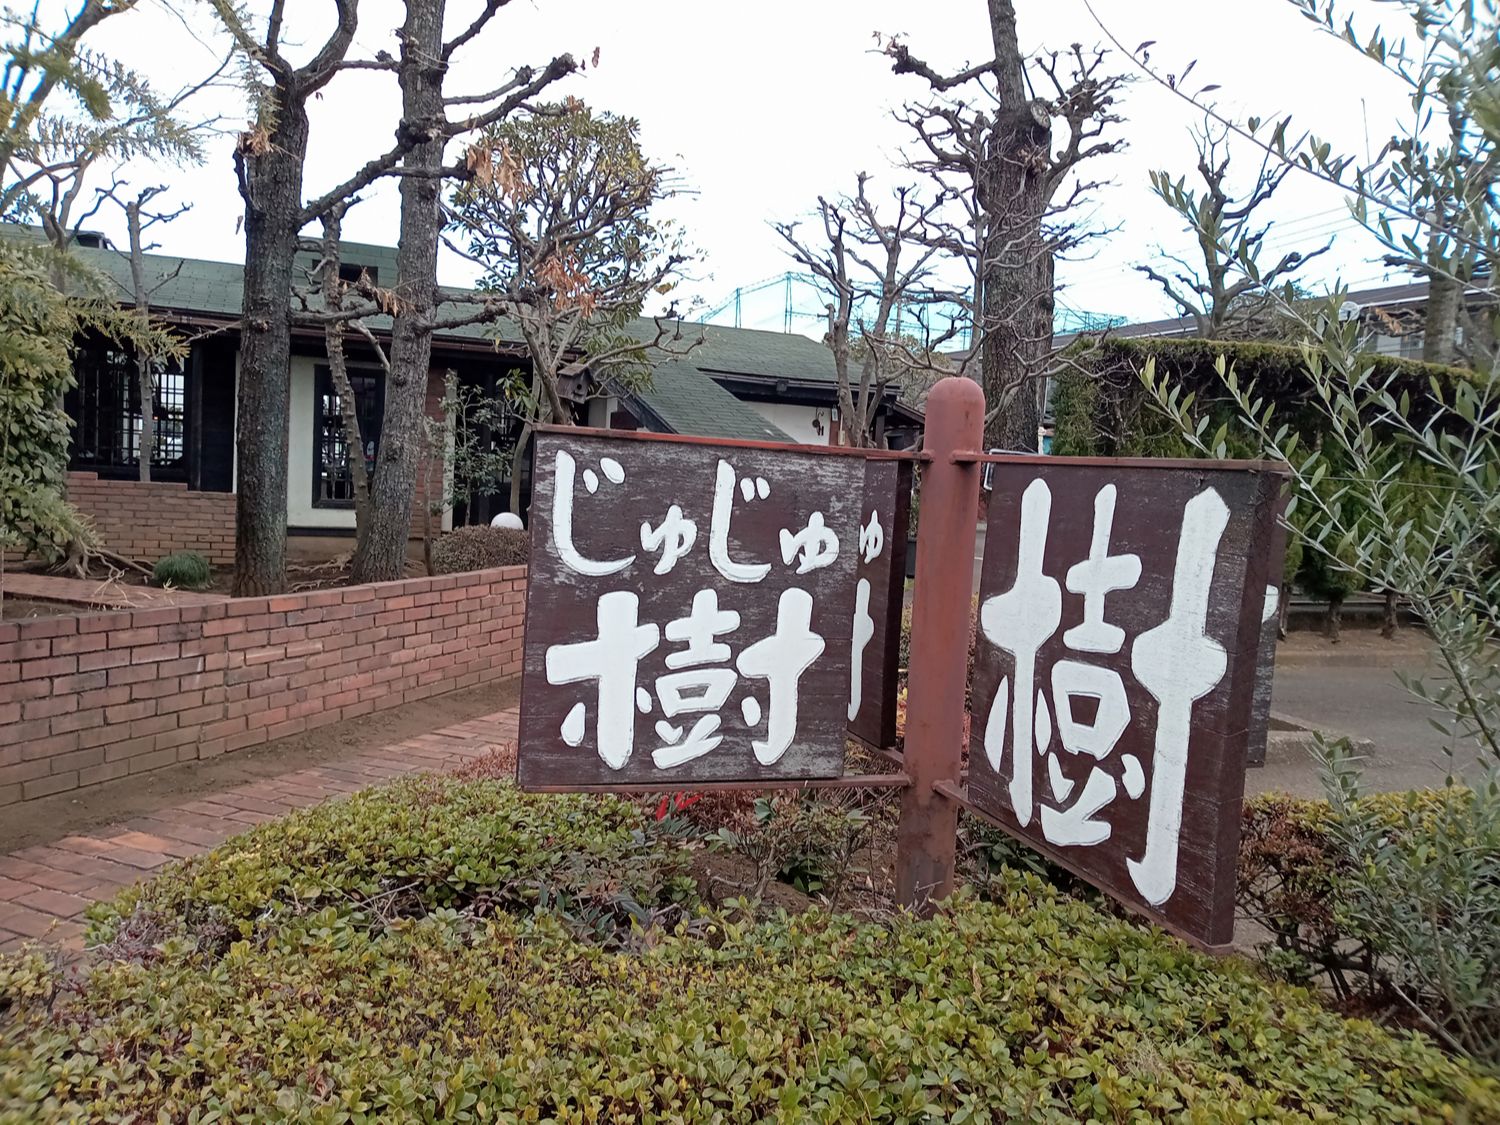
[332, 486]
[104, 407]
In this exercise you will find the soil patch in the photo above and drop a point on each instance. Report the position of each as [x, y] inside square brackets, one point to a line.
[24, 609]
[40, 821]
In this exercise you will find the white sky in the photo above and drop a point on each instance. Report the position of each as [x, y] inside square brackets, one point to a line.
[762, 107]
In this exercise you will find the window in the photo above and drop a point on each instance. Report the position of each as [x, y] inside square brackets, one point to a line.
[106, 410]
[350, 272]
[333, 486]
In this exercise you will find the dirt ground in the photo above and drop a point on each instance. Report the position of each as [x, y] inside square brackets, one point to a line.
[46, 819]
[23, 609]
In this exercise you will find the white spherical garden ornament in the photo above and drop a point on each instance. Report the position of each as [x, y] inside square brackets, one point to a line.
[508, 519]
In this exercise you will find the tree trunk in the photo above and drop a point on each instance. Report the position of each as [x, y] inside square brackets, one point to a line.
[338, 370]
[1283, 611]
[1015, 267]
[382, 554]
[518, 458]
[1334, 619]
[271, 183]
[145, 383]
[1388, 616]
[1440, 322]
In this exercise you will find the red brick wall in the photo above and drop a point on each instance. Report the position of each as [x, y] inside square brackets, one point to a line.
[147, 521]
[87, 699]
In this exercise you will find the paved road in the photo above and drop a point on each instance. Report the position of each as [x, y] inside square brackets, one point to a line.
[1371, 703]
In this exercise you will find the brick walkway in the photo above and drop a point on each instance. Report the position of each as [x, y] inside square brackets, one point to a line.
[93, 593]
[45, 888]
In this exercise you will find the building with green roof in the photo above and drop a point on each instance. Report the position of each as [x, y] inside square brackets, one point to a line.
[735, 384]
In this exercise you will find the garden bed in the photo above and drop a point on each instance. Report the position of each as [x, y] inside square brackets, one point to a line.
[455, 950]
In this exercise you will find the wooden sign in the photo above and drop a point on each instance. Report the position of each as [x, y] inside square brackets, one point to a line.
[879, 593]
[1120, 621]
[690, 611]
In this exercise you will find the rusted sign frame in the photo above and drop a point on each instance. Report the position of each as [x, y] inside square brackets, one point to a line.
[931, 774]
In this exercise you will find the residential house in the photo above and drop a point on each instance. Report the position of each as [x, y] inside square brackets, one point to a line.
[738, 383]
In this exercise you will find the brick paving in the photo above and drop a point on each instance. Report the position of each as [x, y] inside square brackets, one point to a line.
[44, 888]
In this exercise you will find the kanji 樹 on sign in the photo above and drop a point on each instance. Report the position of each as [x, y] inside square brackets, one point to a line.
[1120, 616]
[691, 611]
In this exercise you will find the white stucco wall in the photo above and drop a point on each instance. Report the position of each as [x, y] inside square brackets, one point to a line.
[299, 456]
[797, 421]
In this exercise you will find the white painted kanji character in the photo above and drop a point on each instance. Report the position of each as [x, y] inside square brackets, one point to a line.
[780, 659]
[718, 529]
[818, 545]
[701, 686]
[1178, 663]
[674, 537]
[562, 514]
[1019, 621]
[1073, 824]
[612, 659]
[864, 631]
[1097, 576]
[872, 537]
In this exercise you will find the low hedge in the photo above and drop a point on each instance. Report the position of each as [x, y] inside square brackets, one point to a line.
[321, 1008]
[479, 547]
[1100, 407]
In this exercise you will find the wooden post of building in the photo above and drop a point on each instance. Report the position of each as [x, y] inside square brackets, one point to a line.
[946, 530]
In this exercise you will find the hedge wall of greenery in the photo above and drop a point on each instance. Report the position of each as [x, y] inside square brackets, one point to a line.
[1100, 408]
[439, 950]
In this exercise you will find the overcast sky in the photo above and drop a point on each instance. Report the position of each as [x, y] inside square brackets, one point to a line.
[762, 107]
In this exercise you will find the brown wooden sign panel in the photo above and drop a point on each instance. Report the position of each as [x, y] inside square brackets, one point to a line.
[1120, 622]
[879, 592]
[689, 612]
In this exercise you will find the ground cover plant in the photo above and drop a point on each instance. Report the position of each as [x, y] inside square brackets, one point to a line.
[454, 950]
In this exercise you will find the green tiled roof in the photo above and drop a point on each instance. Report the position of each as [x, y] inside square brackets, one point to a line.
[684, 395]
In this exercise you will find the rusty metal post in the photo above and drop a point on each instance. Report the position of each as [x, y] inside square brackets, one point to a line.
[946, 529]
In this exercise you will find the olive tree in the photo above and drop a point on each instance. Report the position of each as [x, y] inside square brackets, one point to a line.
[1429, 902]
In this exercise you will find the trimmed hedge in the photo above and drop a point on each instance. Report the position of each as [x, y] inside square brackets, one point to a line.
[479, 548]
[1102, 410]
[325, 1007]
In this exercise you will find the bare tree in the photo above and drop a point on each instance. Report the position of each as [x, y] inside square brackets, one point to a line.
[139, 218]
[884, 307]
[269, 160]
[559, 212]
[1219, 292]
[1015, 180]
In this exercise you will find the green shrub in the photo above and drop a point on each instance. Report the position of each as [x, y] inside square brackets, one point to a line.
[313, 998]
[183, 570]
[405, 850]
[479, 548]
[1299, 879]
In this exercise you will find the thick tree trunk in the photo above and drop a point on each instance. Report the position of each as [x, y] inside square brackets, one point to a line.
[1015, 268]
[271, 183]
[382, 554]
[338, 370]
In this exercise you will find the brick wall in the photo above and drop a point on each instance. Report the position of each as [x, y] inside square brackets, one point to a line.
[87, 699]
[147, 521]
